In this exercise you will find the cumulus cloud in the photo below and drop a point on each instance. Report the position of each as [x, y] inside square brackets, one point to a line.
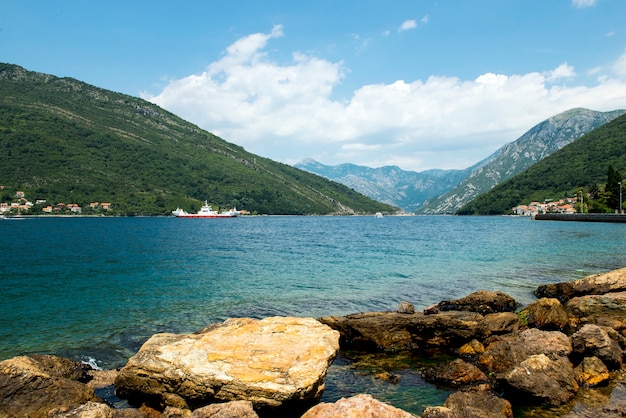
[407, 25]
[581, 4]
[285, 111]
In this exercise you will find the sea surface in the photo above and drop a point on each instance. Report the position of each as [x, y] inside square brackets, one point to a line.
[96, 288]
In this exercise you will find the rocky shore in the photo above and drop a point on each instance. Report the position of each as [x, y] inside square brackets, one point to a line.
[562, 355]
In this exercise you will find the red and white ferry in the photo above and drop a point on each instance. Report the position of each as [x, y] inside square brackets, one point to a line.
[205, 211]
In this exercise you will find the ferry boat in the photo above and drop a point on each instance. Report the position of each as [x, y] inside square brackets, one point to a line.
[206, 211]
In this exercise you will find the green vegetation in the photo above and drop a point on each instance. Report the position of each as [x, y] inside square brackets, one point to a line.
[65, 141]
[581, 165]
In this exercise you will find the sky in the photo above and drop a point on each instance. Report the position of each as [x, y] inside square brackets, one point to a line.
[419, 84]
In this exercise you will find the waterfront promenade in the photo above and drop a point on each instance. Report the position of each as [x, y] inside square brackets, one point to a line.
[582, 217]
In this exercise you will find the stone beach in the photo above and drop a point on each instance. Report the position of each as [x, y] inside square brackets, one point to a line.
[561, 355]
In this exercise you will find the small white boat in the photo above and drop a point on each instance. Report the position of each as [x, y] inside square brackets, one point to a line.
[379, 215]
[206, 211]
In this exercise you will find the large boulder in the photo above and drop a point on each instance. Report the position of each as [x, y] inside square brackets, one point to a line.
[541, 380]
[506, 352]
[393, 331]
[359, 406]
[483, 302]
[606, 310]
[274, 362]
[597, 284]
[35, 386]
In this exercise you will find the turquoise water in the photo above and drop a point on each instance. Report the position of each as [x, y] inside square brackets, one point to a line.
[99, 287]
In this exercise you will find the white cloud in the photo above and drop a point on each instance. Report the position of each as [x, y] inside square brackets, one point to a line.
[286, 111]
[581, 4]
[562, 71]
[620, 65]
[407, 25]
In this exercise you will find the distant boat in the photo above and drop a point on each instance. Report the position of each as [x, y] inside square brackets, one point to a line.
[379, 215]
[11, 218]
[206, 211]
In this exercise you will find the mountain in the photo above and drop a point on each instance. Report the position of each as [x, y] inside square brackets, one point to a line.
[535, 145]
[404, 189]
[583, 163]
[66, 141]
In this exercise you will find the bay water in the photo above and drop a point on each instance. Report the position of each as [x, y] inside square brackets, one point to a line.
[96, 288]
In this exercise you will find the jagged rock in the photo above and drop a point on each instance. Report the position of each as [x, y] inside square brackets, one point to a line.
[539, 379]
[592, 340]
[406, 308]
[606, 310]
[274, 362]
[597, 284]
[503, 353]
[455, 374]
[546, 313]
[592, 372]
[503, 323]
[478, 404]
[34, 386]
[483, 302]
[233, 409]
[359, 406]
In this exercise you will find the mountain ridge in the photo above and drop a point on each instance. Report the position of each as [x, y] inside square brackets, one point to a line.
[64, 140]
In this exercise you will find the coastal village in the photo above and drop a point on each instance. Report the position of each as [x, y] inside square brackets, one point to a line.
[567, 205]
[21, 205]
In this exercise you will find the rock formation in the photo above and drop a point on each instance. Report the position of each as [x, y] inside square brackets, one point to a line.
[273, 362]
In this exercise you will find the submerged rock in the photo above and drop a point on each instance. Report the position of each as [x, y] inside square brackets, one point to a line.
[273, 362]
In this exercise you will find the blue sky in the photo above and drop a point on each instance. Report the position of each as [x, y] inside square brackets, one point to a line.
[417, 84]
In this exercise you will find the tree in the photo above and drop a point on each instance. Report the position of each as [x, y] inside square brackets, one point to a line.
[612, 188]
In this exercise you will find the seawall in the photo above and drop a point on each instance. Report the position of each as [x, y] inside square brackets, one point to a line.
[582, 217]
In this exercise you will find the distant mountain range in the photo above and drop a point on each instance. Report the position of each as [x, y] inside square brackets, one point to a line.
[392, 185]
[445, 191]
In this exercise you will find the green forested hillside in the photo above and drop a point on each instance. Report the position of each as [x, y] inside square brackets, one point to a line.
[581, 164]
[65, 141]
